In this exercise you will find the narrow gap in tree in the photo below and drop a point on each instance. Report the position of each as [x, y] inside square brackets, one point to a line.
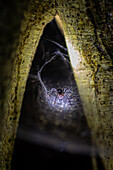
[52, 124]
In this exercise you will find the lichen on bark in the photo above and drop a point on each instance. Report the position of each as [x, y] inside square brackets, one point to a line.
[88, 31]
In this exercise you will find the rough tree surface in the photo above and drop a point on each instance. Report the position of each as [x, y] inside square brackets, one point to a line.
[88, 29]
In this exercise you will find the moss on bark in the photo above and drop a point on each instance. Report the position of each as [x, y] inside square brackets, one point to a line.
[89, 44]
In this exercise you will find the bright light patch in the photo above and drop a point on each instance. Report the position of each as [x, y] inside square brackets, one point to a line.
[75, 56]
[66, 101]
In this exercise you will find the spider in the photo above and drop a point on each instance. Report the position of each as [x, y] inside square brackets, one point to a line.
[61, 98]
[59, 91]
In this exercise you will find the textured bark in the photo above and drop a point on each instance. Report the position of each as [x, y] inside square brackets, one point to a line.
[88, 32]
[15, 68]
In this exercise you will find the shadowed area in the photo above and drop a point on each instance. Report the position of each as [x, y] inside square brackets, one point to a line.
[52, 101]
[52, 124]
